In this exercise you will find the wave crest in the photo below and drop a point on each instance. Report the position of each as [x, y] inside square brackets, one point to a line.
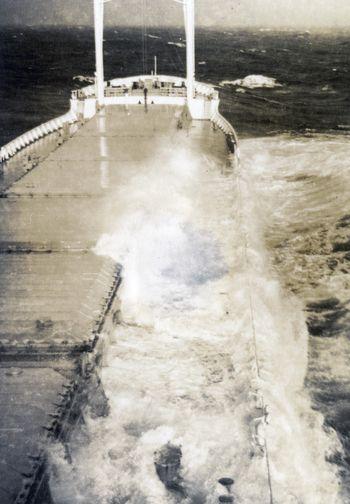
[253, 81]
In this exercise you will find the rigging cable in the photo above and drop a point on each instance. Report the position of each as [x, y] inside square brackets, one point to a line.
[182, 66]
[252, 321]
[173, 53]
[144, 37]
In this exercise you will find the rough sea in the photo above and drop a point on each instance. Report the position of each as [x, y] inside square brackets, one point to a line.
[293, 121]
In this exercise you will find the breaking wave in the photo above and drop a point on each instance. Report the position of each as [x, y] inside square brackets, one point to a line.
[177, 44]
[253, 82]
[207, 332]
[84, 79]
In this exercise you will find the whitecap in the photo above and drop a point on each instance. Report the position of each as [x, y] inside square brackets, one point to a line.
[253, 81]
[84, 78]
[177, 44]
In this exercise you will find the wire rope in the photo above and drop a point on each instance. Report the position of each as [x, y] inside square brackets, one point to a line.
[253, 327]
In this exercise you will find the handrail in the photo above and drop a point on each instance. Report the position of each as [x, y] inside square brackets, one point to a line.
[224, 125]
[119, 92]
[206, 90]
[89, 91]
[11, 148]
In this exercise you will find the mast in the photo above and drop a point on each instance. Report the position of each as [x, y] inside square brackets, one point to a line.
[190, 47]
[99, 74]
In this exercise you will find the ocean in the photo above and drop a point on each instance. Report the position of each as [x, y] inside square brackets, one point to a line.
[294, 124]
[37, 67]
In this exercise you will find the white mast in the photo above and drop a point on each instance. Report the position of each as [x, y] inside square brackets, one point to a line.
[190, 47]
[98, 18]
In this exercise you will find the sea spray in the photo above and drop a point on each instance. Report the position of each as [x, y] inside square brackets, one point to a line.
[253, 82]
[296, 443]
[206, 326]
[302, 186]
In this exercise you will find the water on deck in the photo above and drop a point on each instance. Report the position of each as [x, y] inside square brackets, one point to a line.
[154, 191]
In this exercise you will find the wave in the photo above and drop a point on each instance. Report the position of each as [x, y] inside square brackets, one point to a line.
[177, 44]
[84, 78]
[252, 82]
[200, 294]
[301, 188]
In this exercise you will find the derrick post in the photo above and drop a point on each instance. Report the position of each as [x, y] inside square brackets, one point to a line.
[190, 47]
[99, 74]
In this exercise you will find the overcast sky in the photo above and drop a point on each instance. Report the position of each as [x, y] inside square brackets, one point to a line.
[225, 13]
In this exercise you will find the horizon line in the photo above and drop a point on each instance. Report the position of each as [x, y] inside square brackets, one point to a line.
[263, 28]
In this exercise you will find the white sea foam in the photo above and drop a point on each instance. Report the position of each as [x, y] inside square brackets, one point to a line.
[84, 78]
[252, 82]
[177, 44]
[201, 309]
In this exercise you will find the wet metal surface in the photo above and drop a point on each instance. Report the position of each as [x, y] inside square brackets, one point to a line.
[53, 287]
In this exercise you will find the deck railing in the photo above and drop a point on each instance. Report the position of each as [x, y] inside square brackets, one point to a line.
[206, 90]
[10, 149]
[112, 92]
[227, 128]
[224, 125]
[201, 89]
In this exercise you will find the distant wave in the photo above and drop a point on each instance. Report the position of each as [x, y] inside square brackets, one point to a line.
[252, 82]
[84, 78]
[177, 44]
[154, 36]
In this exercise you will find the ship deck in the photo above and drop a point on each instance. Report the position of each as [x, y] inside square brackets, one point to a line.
[54, 288]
